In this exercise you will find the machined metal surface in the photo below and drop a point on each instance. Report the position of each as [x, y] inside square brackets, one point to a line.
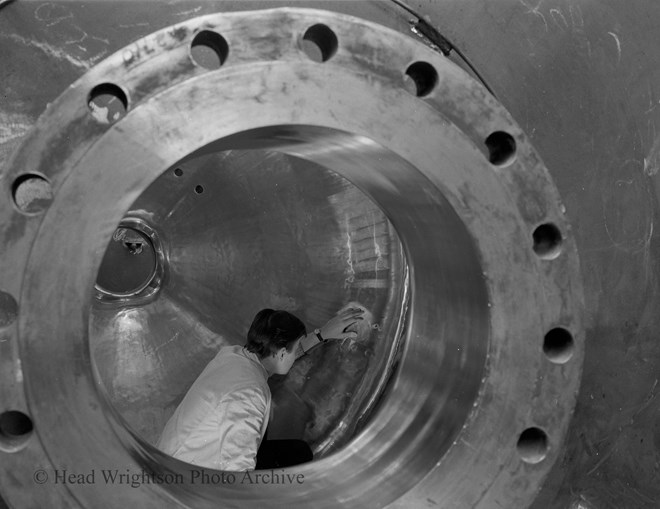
[586, 56]
[477, 215]
[244, 230]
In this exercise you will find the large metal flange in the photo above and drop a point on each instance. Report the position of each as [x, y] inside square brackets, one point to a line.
[492, 356]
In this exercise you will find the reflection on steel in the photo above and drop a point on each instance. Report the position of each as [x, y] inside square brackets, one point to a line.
[267, 230]
[318, 159]
[125, 279]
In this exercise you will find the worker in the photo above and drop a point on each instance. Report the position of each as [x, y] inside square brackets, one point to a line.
[221, 422]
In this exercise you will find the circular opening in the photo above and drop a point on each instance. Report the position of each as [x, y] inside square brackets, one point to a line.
[501, 148]
[276, 223]
[310, 235]
[558, 345]
[533, 445]
[15, 429]
[32, 193]
[178, 172]
[547, 241]
[107, 103]
[8, 309]
[129, 263]
[319, 43]
[209, 50]
[14, 424]
[421, 78]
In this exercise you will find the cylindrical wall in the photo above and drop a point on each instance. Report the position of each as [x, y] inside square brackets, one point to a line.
[241, 231]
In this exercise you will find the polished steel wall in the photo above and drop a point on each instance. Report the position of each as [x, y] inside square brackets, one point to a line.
[241, 231]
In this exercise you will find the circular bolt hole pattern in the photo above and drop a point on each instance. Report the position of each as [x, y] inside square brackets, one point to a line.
[209, 50]
[8, 309]
[319, 43]
[199, 189]
[533, 445]
[558, 345]
[547, 241]
[420, 79]
[178, 172]
[501, 148]
[107, 103]
[14, 424]
[32, 193]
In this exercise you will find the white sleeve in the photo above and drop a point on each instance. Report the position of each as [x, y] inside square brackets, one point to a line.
[241, 415]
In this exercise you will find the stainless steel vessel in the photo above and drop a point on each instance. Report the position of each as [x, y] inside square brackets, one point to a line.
[191, 165]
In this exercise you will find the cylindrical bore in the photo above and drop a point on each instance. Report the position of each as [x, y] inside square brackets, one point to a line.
[270, 230]
[495, 295]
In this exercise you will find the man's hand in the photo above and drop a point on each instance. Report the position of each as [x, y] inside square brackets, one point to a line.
[336, 328]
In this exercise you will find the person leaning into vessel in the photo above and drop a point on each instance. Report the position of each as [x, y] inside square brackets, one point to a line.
[221, 421]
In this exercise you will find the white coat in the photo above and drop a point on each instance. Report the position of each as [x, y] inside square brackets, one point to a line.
[222, 419]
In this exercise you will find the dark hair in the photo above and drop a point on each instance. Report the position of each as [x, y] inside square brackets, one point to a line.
[273, 329]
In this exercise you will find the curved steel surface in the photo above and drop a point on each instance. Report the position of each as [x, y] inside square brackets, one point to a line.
[244, 230]
[578, 79]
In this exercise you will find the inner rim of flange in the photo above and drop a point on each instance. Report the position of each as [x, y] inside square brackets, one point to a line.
[446, 335]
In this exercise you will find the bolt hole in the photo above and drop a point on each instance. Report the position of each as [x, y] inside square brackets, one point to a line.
[209, 50]
[547, 241]
[8, 309]
[178, 172]
[199, 189]
[558, 345]
[107, 103]
[15, 430]
[501, 148]
[319, 43]
[533, 445]
[14, 424]
[32, 193]
[420, 79]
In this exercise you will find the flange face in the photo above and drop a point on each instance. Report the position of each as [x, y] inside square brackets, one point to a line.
[492, 358]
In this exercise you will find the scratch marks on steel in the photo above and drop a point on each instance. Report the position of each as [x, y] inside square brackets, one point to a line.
[13, 126]
[53, 52]
[59, 22]
[535, 11]
[190, 12]
[618, 46]
[558, 15]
